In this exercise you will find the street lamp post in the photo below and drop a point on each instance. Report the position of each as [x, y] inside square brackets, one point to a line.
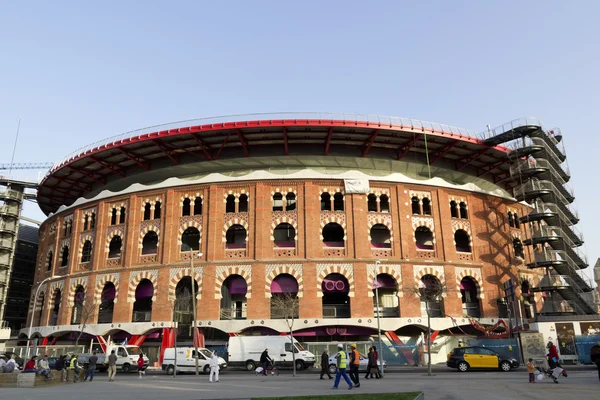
[194, 322]
[378, 326]
[37, 291]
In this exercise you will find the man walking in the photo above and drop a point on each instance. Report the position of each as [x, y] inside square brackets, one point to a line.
[91, 369]
[325, 364]
[112, 366]
[354, 364]
[265, 360]
[341, 368]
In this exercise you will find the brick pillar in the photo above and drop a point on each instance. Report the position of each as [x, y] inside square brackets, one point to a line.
[261, 228]
[123, 310]
[259, 307]
[169, 247]
[215, 209]
[64, 312]
[407, 243]
[301, 233]
[99, 253]
[312, 219]
[75, 258]
[361, 305]
[443, 223]
[162, 307]
[358, 225]
[92, 307]
[397, 250]
[130, 249]
[452, 302]
[410, 304]
[254, 227]
[311, 306]
[209, 307]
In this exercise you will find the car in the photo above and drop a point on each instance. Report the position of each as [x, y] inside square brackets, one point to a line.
[477, 357]
[364, 362]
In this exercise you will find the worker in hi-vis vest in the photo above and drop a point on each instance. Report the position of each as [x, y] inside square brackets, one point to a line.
[341, 368]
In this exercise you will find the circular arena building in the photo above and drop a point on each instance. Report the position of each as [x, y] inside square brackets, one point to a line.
[331, 219]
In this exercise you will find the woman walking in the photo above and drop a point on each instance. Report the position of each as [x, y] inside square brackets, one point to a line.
[140, 365]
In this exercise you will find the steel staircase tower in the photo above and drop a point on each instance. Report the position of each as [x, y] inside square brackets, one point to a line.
[537, 158]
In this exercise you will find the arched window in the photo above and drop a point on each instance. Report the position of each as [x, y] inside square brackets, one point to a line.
[150, 243]
[107, 304]
[384, 203]
[243, 205]
[183, 308]
[49, 261]
[235, 237]
[113, 216]
[277, 202]
[511, 220]
[64, 260]
[372, 202]
[430, 291]
[290, 201]
[424, 238]
[416, 205]
[284, 235]
[470, 301]
[517, 222]
[325, 202]
[157, 206]
[93, 221]
[147, 212]
[462, 241]
[78, 305]
[453, 209]
[284, 297]
[333, 235]
[338, 202]
[86, 222]
[336, 302]
[142, 308]
[186, 209]
[380, 237]
[41, 299]
[233, 298]
[463, 210]
[122, 216]
[518, 247]
[230, 204]
[190, 239]
[86, 252]
[198, 206]
[114, 248]
[55, 308]
[387, 290]
[426, 206]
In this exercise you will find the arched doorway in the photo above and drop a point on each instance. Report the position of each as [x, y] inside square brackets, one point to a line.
[284, 297]
[387, 290]
[107, 304]
[183, 308]
[336, 302]
[41, 299]
[55, 307]
[233, 301]
[142, 308]
[78, 305]
[469, 297]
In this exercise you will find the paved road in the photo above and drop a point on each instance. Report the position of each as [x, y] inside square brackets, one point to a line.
[580, 385]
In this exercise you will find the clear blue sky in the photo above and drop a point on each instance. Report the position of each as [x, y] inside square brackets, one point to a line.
[77, 72]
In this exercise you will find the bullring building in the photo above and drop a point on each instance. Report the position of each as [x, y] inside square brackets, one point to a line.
[341, 211]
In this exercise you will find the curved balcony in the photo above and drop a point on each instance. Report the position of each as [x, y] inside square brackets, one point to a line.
[540, 168]
[543, 189]
[10, 194]
[554, 234]
[553, 282]
[548, 212]
[6, 243]
[9, 227]
[10, 210]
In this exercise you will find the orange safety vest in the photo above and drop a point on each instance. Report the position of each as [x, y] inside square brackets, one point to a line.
[356, 357]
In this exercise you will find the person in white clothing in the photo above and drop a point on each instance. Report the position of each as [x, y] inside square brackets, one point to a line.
[214, 367]
[2, 364]
[11, 365]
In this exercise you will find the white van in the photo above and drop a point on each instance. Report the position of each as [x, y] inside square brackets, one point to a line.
[186, 361]
[245, 351]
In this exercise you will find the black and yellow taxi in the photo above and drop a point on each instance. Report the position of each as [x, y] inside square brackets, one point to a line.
[476, 357]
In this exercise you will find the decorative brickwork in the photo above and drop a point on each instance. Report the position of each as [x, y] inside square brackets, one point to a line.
[102, 280]
[54, 286]
[136, 277]
[178, 274]
[272, 270]
[223, 272]
[380, 218]
[475, 274]
[436, 270]
[235, 219]
[188, 221]
[82, 239]
[112, 231]
[394, 270]
[80, 281]
[347, 270]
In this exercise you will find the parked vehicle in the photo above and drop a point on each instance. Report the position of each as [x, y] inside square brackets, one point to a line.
[127, 358]
[245, 351]
[364, 363]
[186, 360]
[465, 358]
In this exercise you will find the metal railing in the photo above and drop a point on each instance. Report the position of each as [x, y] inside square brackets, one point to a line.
[350, 118]
[471, 309]
[514, 124]
[560, 307]
[531, 163]
[336, 311]
[524, 142]
[535, 185]
[540, 207]
[9, 209]
[141, 316]
[386, 312]
[11, 194]
[554, 232]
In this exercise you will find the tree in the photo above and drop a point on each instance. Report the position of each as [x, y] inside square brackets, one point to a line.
[285, 306]
[83, 313]
[429, 291]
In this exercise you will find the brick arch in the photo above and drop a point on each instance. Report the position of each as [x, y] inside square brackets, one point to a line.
[430, 271]
[82, 242]
[74, 284]
[284, 269]
[475, 276]
[112, 234]
[41, 298]
[55, 286]
[235, 221]
[332, 219]
[383, 269]
[190, 224]
[284, 220]
[465, 226]
[220, 279]
[50, 251]
[335, 269]
[425, 225]
[191, 197]
[179, 276]
[382, 221]
[103, 281]
[516, 234]
[145, 230]
[133, 284]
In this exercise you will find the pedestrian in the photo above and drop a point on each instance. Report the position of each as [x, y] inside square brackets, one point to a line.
[60, 367]
[43, 368]
[140, 365]
[595, 356]
[265, 361]
[372, 365]
[11, 365]
[30, 366]
[531, 371]
[341, 368]
[354, 364]
[91, 369]
[325, 364]
[2, 364]
[112, 366]
[74, 366]
[214, 367]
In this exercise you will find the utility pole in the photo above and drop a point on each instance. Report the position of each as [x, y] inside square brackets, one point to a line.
[378, 325]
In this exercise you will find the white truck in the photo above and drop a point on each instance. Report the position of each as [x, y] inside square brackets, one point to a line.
[245, 351]
[127, 358]
[186, 360]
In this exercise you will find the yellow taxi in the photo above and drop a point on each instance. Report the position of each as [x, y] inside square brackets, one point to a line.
[465, 358]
